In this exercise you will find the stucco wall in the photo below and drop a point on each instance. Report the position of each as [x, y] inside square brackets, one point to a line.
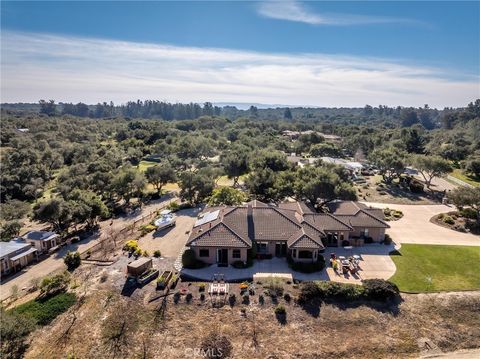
[212, 258]
[377, 234]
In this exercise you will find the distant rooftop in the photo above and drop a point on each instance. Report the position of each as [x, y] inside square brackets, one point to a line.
[7, 248]
[39, 235]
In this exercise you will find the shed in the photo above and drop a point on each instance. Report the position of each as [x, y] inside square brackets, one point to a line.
[139, 266]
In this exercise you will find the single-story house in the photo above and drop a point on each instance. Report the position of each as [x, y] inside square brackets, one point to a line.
[224, 235]
[41, 240]
[352, 166]
[15, 255]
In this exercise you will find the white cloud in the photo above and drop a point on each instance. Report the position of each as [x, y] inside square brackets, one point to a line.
[39, 66]
[295, 11]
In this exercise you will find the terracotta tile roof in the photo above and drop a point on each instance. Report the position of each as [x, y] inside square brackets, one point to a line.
[326, 222]
[306, 242]
[273, 224]
[219, 235]
[357, 214]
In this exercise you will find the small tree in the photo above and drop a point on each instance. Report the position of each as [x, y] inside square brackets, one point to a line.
[160, 175]
[430, 167]
[466, 197]
[226, 196]
[72, 260]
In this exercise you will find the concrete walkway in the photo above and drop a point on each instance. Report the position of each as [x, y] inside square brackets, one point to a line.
[375, 263]
[415, 226]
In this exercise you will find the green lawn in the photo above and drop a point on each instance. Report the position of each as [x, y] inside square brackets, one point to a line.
[428, 268]
[458, 173]
[143, 165]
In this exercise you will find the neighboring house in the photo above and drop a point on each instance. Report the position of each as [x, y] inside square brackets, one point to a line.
[41, 240]
[15, 255]
[224, 235]
[354, 167]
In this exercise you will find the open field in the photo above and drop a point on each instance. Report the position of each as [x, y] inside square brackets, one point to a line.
[427, 268]
[107, 324]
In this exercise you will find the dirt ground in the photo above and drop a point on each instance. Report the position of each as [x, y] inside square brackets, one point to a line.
[371, 192]
[170, 241]
[105, 323]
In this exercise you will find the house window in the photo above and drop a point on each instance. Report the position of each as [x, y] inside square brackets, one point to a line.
[365, 232]
[305, 254]
[294, 253]
[236, 253]
[204, 253]
[262, 247]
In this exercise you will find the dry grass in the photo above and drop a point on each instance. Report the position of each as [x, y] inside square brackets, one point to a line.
[108, 325]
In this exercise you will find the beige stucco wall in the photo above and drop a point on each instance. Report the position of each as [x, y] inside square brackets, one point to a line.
[212, 258]
[313, 259]
[377, 234]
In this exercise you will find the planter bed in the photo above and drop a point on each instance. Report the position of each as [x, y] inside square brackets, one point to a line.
[147, 277]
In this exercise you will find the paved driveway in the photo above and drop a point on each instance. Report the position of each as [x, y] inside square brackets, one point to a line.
[415, 226]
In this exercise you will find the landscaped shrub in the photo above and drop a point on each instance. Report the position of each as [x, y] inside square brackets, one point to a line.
[157, 254]
[246, 299]
[202, 297]
[274, 287]
[201, 287]
[387, 239]
[14, 328]
[190, 261]
[146, 228]
[372, 289]
[287, 297]
[261, 299]
[216, 346]
[238, 264]
[448, 220]
[379, 289]
[72, 260]
[189, 297]
[176, 297]
[469, 213]
[280, 310]
[131, 246]
[368, 240]
[43, 311]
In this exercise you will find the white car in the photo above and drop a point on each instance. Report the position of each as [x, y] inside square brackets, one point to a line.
[166, 219]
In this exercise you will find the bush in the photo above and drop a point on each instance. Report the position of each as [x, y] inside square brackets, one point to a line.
[173, 206]
[53, 285]
[238, 264]
[261, 299]
[14, 328]
[176, 297]
[246, 299]
[287, 297]
[416, 187]
[280, 310]
[157, 254]
[368, 240]
[274, 287]
[379, 289]
[202, 297]
[190, 261]
[448, 220]
[469, 213]
[131, 246]
[146, 228]
[216, 346]
[387, 240]
[308, 291]
[201, 287]
[232, 298]
[189, 297]
[72, 260]
[43, 311]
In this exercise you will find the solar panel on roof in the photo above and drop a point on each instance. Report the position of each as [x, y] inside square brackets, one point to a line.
[207, 217]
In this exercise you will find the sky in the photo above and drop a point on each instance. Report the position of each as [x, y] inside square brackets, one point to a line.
[333, 54]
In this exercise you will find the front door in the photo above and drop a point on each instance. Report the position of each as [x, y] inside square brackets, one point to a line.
[222, 257]
[281, 249]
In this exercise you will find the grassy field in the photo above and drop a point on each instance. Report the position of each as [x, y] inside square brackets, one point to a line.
[143, 165]
[428, 268]
[458, 173]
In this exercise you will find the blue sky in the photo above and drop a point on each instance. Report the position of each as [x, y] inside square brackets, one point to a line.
[288, 52]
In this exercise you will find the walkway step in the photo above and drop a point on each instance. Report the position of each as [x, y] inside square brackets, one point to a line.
[178, 262]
